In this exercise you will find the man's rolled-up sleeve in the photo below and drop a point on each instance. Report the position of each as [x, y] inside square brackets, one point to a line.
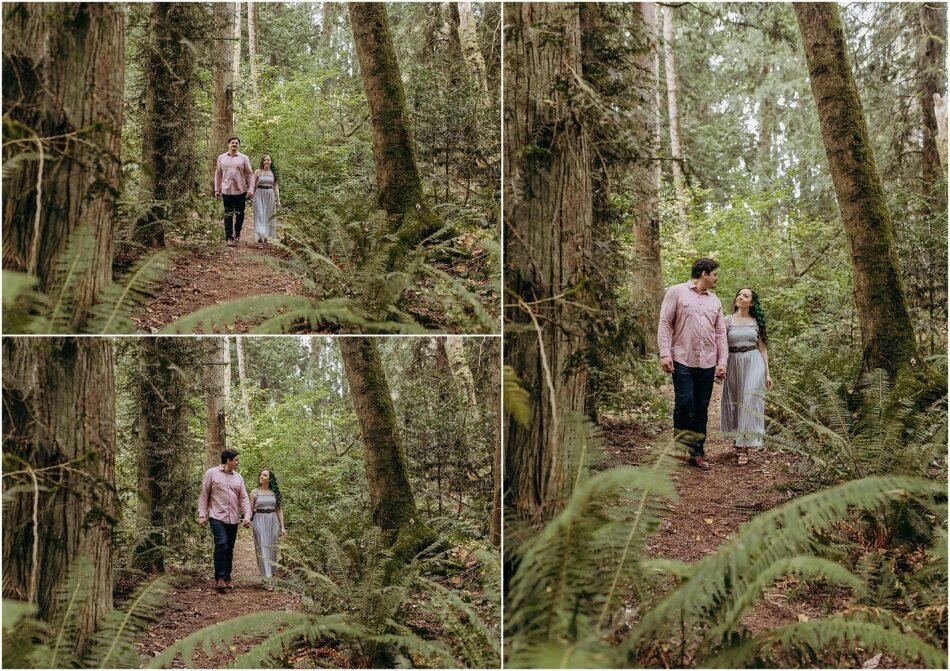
[664, 336]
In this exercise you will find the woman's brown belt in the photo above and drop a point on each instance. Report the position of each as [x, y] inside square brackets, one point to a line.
[748, 348]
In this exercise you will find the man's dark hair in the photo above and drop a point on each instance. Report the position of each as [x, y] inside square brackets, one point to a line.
[703, 265]
[234, 138]
[228, 455]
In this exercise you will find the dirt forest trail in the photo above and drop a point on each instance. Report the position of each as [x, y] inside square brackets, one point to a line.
[713, 504]
[193, 604]
[198, 280]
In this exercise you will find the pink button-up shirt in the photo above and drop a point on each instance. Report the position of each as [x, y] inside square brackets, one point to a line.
[232, 174]
[223, 496]
[692, 328]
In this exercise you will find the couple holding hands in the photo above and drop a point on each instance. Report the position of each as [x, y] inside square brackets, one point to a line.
[235, 183]
[697, 345]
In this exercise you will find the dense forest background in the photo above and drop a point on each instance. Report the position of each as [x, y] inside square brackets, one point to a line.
[389, 171]
[803, 146]
[389, 498]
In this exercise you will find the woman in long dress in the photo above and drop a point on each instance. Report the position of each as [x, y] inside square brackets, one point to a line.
[747, 375]
[265, 192]
[267, 521]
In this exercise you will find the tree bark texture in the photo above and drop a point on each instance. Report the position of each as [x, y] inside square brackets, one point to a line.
[468, 40]
[217, 376]
[164, 446]
[673, 103]
[458, 365]
[242, 375]
[390, 493]
[933, 23]
[64, 68]
[59, 409]
[222, 122]
[645, 174]
[397, 177]
[548, 221]
[167, 136]
[494, 529]
[252, 47]
[886, 330]
[236, 45]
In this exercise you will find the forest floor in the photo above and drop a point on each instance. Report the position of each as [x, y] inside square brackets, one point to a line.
[713, 504]
[200, 279]
[193, 603]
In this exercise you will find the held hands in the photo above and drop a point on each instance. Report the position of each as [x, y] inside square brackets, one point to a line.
[667, 364]
[720, 372]
[247, 523]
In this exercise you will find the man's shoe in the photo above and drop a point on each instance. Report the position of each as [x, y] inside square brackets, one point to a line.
[699, 461]
[230, 585]
[220, 586]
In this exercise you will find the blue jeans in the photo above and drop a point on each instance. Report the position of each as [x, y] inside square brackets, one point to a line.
[224, 537]
[693, 388]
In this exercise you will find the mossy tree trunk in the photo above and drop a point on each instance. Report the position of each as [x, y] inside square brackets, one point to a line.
[63, 72]
[217, 389]
[222, 121]
[168, 163]
[468, 41]
[548, 222]
[163, 444]
[397, 176]
[59, 416]
[645, 176]
[673, 102]
[252, 47]
[390, 494]
[886, 330]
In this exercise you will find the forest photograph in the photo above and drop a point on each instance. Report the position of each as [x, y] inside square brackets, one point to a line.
[247, 502]
[244, 167]
[725, 380]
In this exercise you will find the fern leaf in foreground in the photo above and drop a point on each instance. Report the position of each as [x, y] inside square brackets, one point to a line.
[808, 639]
[112, 644]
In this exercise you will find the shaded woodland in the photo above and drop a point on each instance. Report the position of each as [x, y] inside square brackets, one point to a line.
[382, 122]
[387, 459]
[802, 146]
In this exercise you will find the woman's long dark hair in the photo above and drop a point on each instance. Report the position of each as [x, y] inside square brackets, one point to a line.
[756, 311]
[273, 485]
[273, 166]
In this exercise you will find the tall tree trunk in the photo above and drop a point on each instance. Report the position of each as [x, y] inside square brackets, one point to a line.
[64, 69]
[164, 445]
[242, 375]
[252, 47]
[450, 31]
[455, 355]
[645, 173]
[59, 409]
[886, 330]
[222, 122]
[236, 44]
[167, 136]
[217, 375]
[933, 23]
[330, 12]
[548, 220]
[468, 40]
[673, 102]
[390, 494]
[397, 177]
[494, 529]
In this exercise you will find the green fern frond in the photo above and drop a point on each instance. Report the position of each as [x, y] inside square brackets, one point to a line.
[71, 594]
[720, 580]
[314, 629]
[113, 643]
[808, 639]
[73, 263]
[114, 307]
[221, 633]
[516, 399]
[246, 309]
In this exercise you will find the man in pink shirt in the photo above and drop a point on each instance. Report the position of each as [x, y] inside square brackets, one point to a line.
[231, 178]
[223, 499]
[692, 344]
